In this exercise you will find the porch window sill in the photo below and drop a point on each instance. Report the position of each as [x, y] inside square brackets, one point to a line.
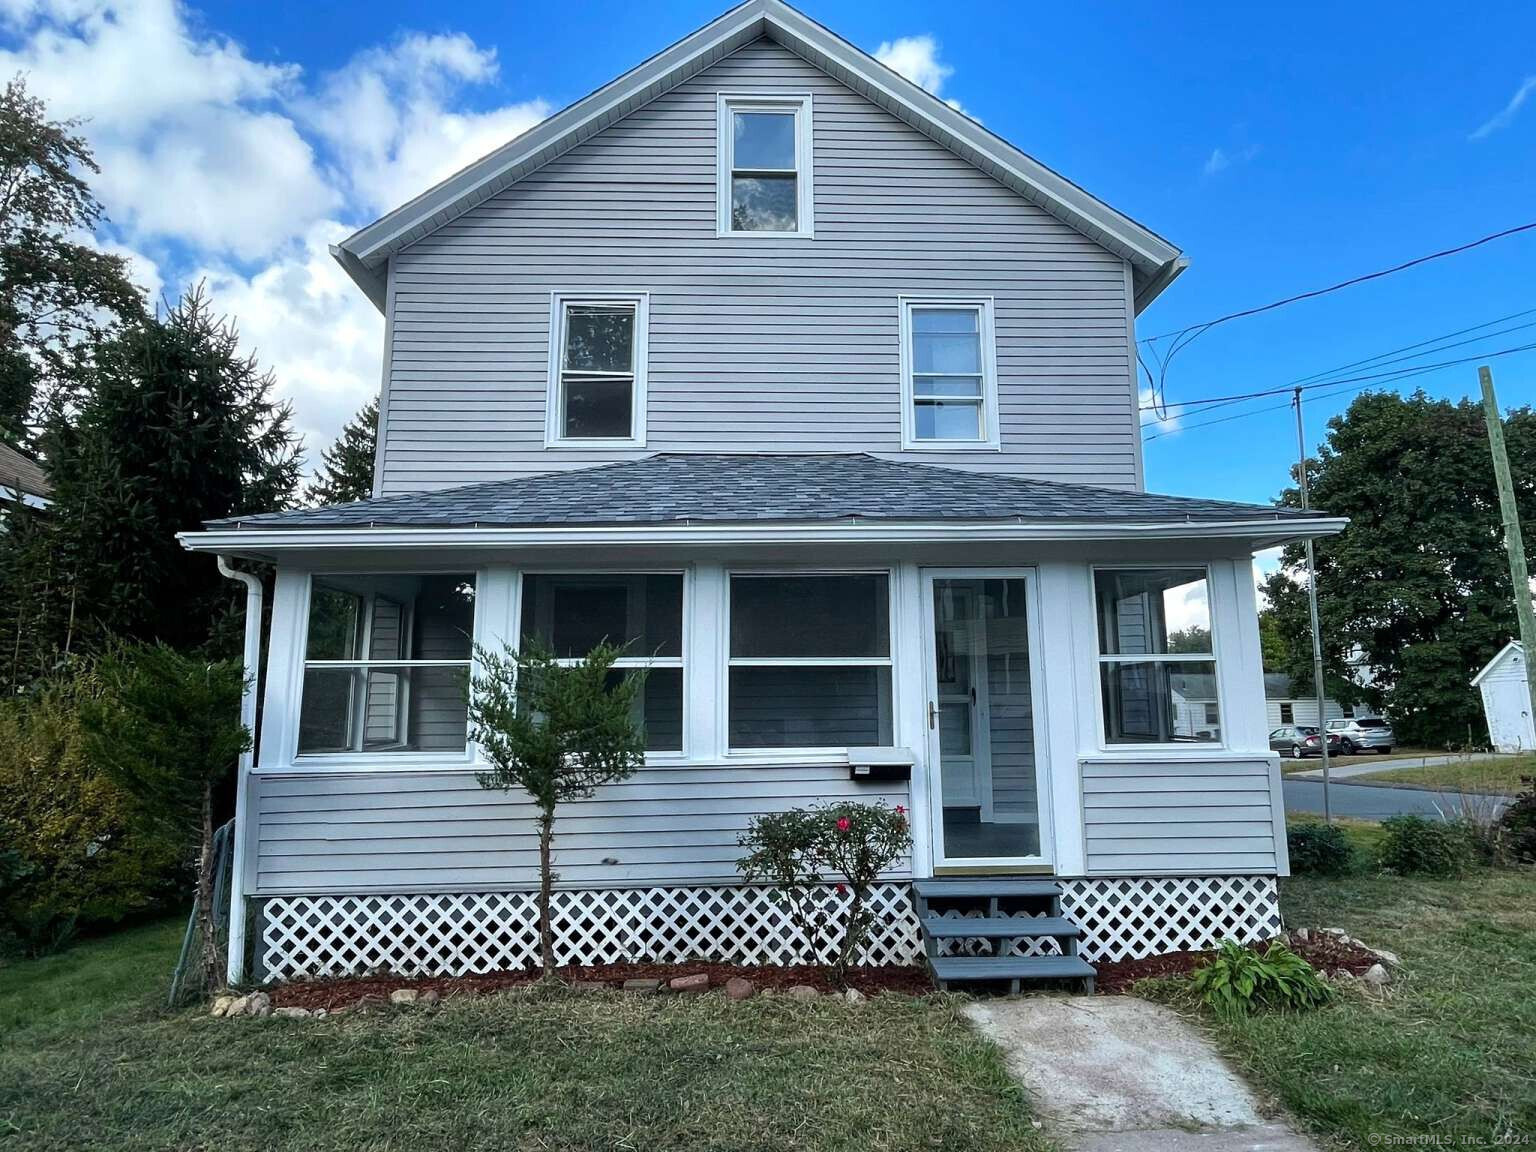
[1164, 754]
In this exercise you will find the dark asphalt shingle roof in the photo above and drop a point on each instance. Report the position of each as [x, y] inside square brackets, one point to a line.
[673, 488]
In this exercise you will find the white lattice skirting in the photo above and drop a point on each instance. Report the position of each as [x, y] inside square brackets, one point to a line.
[461, 934]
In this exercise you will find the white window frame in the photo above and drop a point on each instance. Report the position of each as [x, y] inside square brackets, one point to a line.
[1192, 747]
[777, 753]
[660, 756]
[554, 421]
[382, 758]
[991, 438]
[728, 103]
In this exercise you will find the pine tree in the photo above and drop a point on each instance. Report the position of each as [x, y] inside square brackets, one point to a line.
[346, 467]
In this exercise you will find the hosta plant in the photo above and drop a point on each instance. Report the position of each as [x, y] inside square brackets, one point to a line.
[1239, 981]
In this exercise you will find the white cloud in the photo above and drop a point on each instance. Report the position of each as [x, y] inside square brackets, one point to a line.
[241, 172]
[917, 58]
[1187, 606]
[1220, 159]
[1506, 115]
[1164, 419]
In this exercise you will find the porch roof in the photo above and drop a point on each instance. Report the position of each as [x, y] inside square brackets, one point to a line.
[671, 489]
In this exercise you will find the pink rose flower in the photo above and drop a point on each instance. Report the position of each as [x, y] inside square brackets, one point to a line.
[843, 824]
[842, 889]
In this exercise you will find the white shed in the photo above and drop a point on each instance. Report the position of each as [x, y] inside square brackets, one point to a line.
[1507, 700]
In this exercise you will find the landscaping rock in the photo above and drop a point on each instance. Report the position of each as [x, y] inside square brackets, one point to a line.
[1377, 976]
[221, 1005]
[643, 987]
[292, 1013]
[260, 1005]
[1302, 935]
[803, 992]
[695, 982]
[589, 986]
[238, 1006]
[738, 989]
[854, 996]
[1390, 959]
[430, 996]
[403, 996]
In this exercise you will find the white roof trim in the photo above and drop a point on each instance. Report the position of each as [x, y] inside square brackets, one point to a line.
[1262, 534]
[1512, 646]
[1155, 261]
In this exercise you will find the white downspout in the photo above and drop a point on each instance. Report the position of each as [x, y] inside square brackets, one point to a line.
[252, 663]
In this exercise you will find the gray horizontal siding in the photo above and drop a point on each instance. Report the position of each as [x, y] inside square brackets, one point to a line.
[786, 345]
[1179, 818]
[401, 831]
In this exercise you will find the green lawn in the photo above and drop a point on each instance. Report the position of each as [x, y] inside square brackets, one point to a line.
[1500, 776]
[1451, 1051]
[89, 1059]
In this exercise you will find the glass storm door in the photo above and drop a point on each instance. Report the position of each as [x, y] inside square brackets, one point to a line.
[982, 710]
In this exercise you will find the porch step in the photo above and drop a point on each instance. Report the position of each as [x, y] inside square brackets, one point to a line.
[999, 928]
[959, 969]
[981, 888]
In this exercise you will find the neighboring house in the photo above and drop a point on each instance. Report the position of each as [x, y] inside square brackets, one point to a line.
[1507, 700]
[1284, 706]
[21, 481]
[768, 361]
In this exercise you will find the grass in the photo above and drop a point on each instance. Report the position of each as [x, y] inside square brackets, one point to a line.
[89, 1059]
[1339, 760]
[1448, 1052]
[1500, 777]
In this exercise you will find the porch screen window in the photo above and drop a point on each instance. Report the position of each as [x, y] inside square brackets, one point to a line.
[810, 662]
[1157, 668]
[947, 374]
[572, 614]
[765, 165]
[386, 664]
[598, 385]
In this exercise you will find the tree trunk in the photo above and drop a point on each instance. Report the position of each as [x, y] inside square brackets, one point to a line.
[213, 977]
[546, 882]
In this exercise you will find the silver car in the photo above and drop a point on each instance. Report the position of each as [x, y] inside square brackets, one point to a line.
[1299, 741]
[1363, 734]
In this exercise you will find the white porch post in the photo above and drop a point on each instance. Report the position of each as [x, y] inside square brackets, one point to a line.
[910, 690]
[1065, 645]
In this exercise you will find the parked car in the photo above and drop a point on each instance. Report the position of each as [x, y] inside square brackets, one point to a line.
[1363, 734]
[1299, 741]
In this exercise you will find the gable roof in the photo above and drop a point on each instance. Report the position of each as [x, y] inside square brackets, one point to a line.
[1514, 647]
[365, 254]
[21, 475]
[710, 488]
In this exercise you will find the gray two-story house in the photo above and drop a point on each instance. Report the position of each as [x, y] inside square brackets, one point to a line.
[825, 397]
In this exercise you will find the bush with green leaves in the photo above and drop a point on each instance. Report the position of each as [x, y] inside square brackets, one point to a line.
[1319, 850]
[798, 851]
[1240, 981]
[1516, 835]
[1414, 846]
[77, 851]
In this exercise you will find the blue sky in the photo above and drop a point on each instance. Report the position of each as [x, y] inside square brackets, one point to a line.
[1281, 148]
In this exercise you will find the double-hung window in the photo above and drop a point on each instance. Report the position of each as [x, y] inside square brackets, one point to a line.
[1157, 666]
[764, 174]
[597, 360]
[570, 614]
[810, 661]
[948, 374]
[386, 664]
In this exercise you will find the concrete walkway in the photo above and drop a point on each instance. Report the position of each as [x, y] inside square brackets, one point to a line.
[1342, 768]
[1117, 1074]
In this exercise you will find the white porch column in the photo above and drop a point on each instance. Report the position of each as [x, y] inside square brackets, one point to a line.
[909, 689]
[1069, 660]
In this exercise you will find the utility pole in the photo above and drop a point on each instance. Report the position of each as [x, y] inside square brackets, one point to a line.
[1317, 633]
[1512, 541]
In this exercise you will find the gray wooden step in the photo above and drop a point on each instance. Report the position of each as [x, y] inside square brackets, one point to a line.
[981, 888]
[950, 969]
[999, 927]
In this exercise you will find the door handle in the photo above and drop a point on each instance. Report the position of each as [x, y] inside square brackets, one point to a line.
[932, 713]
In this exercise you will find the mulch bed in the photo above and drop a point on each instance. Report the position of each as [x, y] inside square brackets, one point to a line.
[1325, 953]
[334, 994]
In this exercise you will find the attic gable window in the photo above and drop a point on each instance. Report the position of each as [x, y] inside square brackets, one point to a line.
[764, 165]
[597, 357]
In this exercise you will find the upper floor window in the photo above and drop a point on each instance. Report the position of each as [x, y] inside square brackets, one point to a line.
[765, 165]
[948, 374]
[597, 370]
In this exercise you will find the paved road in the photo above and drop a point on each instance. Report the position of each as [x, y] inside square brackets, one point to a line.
[1364, 802]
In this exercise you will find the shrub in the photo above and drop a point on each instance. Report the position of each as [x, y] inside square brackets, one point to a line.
[80, 853]
[1414, 846]
[795, 850]
[1319, 850]
[1238, 981]
[1516, 836]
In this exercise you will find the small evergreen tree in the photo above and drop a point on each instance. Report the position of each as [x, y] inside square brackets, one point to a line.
[167, 729]
[346, 467]
[556, 732]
